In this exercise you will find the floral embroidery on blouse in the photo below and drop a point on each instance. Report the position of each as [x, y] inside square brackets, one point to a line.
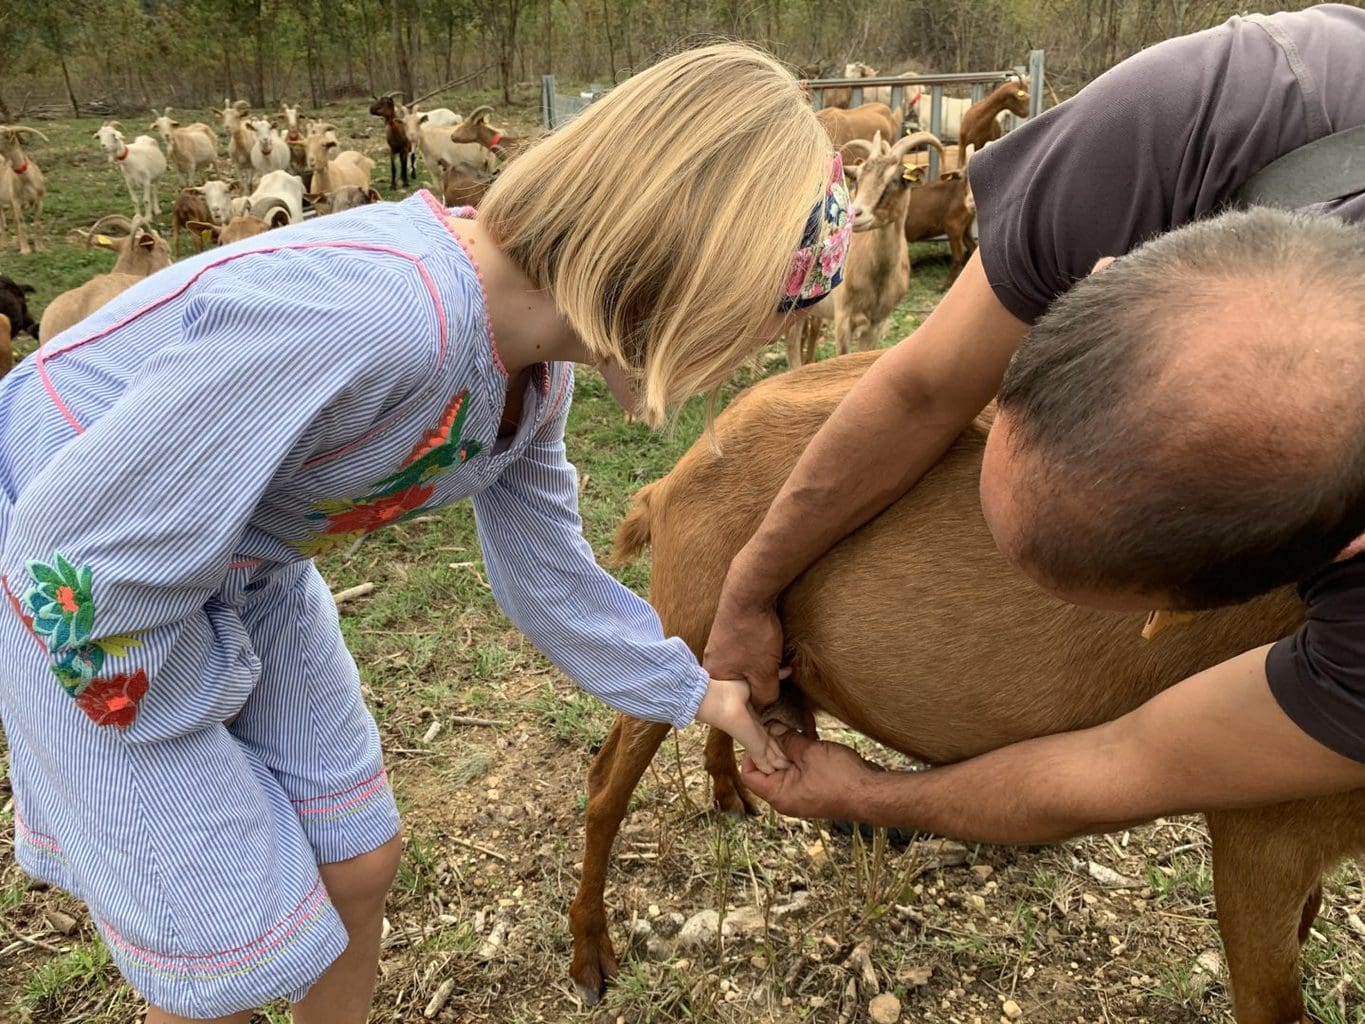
[399, 495]
[59, 610]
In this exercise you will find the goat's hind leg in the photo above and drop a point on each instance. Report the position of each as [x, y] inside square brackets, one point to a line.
[1267, 870]
[612, 779]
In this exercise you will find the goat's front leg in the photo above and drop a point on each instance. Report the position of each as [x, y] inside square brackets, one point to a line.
[20, 231]
[154, 197]
[38, 226]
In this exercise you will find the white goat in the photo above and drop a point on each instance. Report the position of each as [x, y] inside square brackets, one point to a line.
[433, 141]
[21, 185]
[191, 148]
[218, 198]
[141, 163]
[275, 188]
[269, 151]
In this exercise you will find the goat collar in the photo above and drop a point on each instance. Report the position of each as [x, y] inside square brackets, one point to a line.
[497, 137]
[915, 98]
[21, 168]
[124, 154]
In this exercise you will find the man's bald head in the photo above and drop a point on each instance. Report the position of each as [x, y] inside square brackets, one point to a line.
[1190, 421]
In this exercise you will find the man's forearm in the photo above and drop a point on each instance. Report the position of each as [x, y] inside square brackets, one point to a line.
[855, 466]
[1038, 791]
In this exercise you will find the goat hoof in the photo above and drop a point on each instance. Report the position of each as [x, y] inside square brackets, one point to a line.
[590, 979]
[732, 799]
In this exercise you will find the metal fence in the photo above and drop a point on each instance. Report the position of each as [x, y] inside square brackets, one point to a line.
[558, 109]
[981, 82]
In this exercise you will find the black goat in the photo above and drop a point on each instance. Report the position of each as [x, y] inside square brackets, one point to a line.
[14, 306]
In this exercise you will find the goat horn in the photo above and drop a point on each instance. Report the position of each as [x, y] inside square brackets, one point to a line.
[21, 128]
[486, 110]
[241, 105]
[859, 146]
[112, 218]
[918, 139]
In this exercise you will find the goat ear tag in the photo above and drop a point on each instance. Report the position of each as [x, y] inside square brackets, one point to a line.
[103, 240]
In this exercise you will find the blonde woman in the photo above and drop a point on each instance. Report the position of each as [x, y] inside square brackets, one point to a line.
[189, 749]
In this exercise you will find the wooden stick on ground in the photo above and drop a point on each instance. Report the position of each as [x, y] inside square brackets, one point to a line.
[359, 590]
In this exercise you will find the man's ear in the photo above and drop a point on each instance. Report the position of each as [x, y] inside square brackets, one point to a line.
[1101, 263]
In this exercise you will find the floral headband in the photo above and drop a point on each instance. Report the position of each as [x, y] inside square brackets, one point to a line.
[818, 265]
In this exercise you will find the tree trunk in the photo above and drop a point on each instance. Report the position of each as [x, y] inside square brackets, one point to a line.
[70, 93]
[258, 75]
[400, 53]
[549, 19]
[611, 44]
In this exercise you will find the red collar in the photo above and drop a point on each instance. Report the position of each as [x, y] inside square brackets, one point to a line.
[497, 137]
[293, 137]
[22, 169]
[124, 154]
[915, 98]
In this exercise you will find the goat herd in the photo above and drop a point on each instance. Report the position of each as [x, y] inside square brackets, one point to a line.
[284, 166]
[281, 169]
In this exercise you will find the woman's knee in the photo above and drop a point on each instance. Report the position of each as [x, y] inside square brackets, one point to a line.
[363, 881]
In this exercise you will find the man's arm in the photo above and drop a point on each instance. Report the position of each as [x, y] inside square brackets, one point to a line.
[1216, 740]
[891, 427]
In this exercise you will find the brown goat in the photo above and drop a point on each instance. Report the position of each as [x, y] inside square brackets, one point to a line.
[942, 208]
[860, 123]
[475, 128]
[980, 124]
[463, 185]
[916, 632]
[6, 346]
[396, 135]
[189, 206]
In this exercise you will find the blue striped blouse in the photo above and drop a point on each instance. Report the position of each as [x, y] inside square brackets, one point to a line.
[271, 400]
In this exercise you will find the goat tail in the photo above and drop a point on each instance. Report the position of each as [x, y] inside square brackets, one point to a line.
[632, 536]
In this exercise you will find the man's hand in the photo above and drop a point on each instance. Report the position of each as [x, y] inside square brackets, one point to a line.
[726, 707]
[825, 780]
[746, 643]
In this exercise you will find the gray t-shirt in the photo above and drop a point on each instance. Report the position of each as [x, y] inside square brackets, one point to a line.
[1165, 138]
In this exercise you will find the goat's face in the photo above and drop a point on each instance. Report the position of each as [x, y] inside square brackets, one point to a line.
[882, 182]
[218, 198]
[383, 107]
[110, 138]
[320, 150]
[265, 135]
[291, 119]
[163, 125]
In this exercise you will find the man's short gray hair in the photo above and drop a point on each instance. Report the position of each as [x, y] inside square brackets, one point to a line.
[1192, 418]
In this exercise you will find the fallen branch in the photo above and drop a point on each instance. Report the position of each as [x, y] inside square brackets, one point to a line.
[480, 849]
[492, 723]
[350, 593]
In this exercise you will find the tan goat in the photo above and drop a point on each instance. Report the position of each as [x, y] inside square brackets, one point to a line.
[916, 631]
[859, 123]
[333, 170]
[6, 346]
[192, 148]
[877, 273]
[21, 185]
[140, 253]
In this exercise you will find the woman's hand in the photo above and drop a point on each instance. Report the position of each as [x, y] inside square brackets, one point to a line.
[726, 707]
[746, 644]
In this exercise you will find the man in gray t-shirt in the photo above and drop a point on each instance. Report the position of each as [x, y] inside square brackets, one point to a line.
[1161, 141]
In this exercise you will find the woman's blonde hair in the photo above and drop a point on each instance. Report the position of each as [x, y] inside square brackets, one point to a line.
[664, 218]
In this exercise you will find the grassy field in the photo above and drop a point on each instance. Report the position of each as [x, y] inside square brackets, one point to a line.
[493, 814]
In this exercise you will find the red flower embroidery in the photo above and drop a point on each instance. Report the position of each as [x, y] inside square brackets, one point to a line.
[113, 701]
[367, 516]
[24, 617]
[66, 597]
